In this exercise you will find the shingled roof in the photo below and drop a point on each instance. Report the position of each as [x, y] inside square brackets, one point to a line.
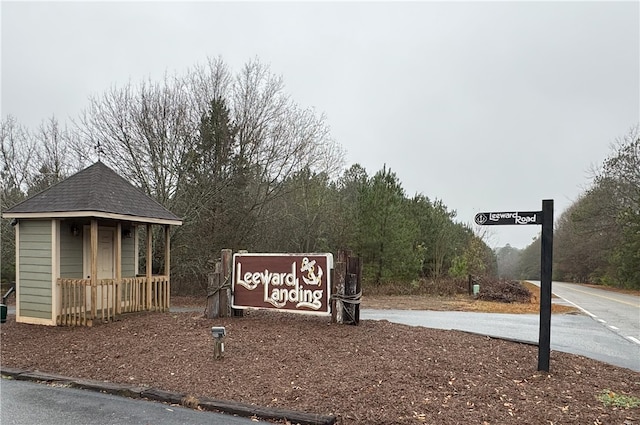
[96, 191]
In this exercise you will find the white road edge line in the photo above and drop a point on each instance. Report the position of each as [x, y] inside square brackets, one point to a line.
[577, 306]
[614, 328]
[593, 316]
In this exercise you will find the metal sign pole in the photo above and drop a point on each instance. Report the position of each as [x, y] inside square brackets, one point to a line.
[546, 261]
[545, 218]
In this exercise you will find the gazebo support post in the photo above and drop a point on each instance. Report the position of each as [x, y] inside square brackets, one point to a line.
[94, 271]
[149, 266]
[116, 286]
[167, 267]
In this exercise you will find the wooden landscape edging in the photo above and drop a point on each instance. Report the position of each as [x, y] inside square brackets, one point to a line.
[250, 410]
[150, 393]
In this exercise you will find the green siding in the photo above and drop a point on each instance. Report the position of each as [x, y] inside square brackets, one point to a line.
[29, 280]
[33, 303]
[35, 268]
[70, 253]
[36, 312]
[37, 235]
[33, 299]
[128, 258]
[36, 261]
[33, 249]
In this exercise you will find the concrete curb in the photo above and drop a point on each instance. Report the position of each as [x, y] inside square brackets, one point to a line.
[131, 391]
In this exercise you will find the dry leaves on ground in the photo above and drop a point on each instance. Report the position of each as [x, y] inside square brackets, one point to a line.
[375, 373]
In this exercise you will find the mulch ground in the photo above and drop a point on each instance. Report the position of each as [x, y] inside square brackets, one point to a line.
[374, 373]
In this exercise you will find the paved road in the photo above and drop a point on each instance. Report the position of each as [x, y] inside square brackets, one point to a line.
[618, 312]
[24, 402]
[570, 333]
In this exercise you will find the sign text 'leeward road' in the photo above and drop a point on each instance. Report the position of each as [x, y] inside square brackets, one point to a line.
[522, 217]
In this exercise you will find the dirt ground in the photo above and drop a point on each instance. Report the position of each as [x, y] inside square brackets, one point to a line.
[374, 373]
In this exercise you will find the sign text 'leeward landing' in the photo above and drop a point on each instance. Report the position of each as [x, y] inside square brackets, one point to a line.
[292, 282]
[522, 217]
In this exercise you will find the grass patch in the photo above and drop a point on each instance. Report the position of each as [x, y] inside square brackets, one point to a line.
[613, 399]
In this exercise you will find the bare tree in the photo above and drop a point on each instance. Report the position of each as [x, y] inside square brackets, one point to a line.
[206, 82]
[54, 159]
[621, 170]
[144, 132]
[598, 236]
[17, 153]
[276, 138]
[209, 145]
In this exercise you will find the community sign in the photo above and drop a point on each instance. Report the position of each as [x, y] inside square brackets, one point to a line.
[293, 282]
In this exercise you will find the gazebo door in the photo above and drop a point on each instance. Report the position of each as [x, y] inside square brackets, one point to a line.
[105, 254]
[106, 257]
[106, 265]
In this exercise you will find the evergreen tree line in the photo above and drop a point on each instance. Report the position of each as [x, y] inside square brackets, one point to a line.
[246, 168]
[596, 239]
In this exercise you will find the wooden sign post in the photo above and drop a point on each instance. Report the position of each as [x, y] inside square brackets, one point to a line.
[545, 218]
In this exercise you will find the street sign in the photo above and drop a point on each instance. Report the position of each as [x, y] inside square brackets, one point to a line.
[545, 218]
[512, 217]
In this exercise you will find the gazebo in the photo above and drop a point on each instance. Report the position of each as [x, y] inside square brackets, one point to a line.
[77, 251]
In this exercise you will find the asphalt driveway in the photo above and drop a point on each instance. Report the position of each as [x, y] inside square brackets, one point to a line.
[570, 333]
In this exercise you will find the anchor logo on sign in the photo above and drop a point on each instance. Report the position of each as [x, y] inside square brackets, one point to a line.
[309, 267]
[480, 219]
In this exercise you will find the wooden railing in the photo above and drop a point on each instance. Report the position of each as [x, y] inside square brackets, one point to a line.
[81, 303]
[73, 302]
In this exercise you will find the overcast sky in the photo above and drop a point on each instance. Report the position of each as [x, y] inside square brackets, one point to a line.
[489, 106]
